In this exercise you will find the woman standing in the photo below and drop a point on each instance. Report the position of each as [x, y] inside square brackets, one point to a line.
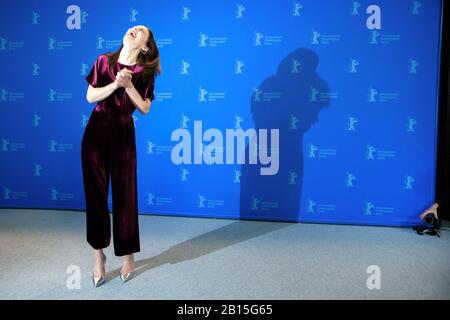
[119, 83]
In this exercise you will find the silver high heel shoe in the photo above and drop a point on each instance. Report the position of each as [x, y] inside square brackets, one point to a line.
[98, 281]
[126, 277]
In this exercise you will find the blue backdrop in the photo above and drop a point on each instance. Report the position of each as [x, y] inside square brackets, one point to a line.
[352, 90]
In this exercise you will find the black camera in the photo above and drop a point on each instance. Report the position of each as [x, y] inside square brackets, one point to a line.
[430, 225]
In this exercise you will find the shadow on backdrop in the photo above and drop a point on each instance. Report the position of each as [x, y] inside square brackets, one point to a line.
[293, 113]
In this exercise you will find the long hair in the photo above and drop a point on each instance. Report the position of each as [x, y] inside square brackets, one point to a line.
[149, 60]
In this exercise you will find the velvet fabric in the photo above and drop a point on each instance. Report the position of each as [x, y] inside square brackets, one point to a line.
[108, 151]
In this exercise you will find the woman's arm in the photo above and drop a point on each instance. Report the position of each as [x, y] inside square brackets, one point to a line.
[95, 94]
[143, 106]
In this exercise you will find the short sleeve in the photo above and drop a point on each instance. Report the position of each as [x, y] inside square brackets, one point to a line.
[93, 78]
[147, 89]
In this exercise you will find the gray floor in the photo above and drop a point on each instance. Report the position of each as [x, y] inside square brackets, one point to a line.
[196, 258]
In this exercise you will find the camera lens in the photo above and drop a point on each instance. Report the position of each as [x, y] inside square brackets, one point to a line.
[429, 218]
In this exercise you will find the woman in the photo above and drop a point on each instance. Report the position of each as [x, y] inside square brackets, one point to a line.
[119, 82]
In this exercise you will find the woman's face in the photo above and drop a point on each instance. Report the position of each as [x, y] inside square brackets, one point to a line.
[136, 37]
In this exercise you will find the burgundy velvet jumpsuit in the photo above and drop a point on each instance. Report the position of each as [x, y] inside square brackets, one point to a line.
[108, 148]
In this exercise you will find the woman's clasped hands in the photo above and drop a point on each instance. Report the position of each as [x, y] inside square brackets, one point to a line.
[123, 78]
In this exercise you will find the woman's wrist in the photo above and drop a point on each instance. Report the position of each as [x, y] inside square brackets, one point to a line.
[130, 86]
[115, 84]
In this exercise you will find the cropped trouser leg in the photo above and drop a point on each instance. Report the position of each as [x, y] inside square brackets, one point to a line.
[124, 190]
[109, 148]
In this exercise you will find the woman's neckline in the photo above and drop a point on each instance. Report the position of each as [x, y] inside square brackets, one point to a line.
[127, 65]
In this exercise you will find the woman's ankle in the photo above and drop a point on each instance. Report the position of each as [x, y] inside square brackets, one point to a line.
[128, 263]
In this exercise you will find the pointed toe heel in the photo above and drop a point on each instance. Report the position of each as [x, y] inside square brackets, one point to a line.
[126, 277]
[98, 281]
